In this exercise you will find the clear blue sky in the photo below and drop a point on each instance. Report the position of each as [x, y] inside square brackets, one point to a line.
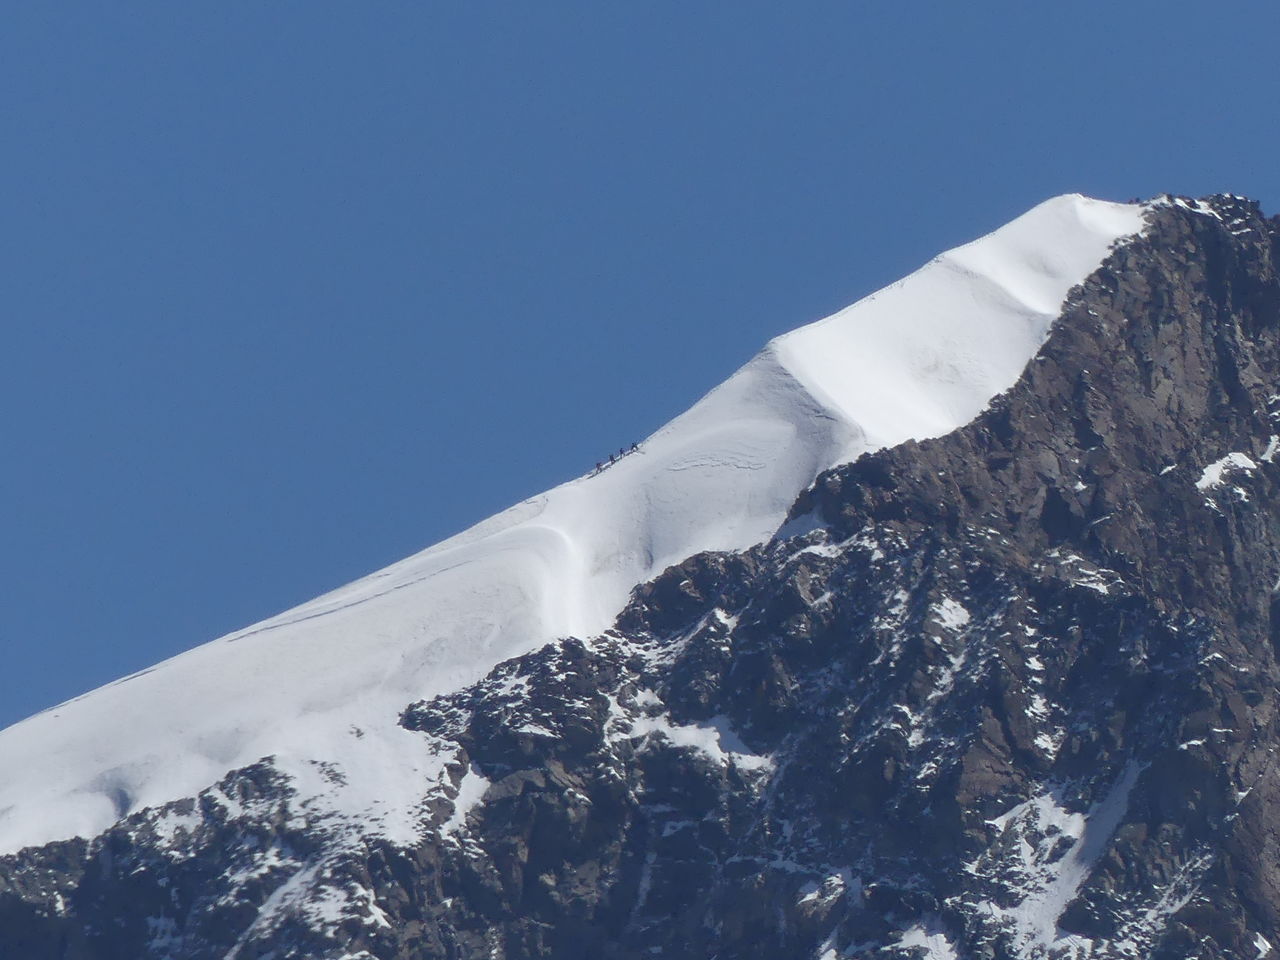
[292, 290]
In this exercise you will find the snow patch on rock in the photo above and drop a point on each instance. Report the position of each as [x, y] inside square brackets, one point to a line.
[1215, 474]
[471, 791]
[1054, 851]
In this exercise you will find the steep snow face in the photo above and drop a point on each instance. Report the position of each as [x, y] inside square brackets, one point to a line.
[320, 687]
[926, 354]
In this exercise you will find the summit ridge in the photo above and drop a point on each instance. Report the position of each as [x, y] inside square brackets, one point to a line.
[915, 360]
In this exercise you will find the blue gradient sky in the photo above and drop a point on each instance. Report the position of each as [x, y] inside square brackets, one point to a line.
[292, 290]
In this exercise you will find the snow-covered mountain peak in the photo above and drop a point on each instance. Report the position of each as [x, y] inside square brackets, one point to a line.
[926, 354]
[320, 687]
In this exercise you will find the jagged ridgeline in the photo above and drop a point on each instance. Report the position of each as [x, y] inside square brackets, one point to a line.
[1009, 692]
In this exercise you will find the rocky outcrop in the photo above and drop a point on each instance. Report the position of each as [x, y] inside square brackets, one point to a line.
[1010, 693]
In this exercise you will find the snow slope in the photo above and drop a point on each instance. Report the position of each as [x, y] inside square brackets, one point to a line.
[326, 681]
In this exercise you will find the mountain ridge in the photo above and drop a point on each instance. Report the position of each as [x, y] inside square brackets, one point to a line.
[1007, 693]
[721, 476]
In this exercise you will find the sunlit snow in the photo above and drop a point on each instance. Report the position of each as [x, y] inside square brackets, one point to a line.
[1215, 473]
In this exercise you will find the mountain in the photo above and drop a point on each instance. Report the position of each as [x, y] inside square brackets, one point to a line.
[944, 628]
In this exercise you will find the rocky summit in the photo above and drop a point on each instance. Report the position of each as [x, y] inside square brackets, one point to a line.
[1010, 692]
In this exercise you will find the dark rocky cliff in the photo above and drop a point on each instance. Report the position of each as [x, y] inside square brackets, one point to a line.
[1007, 693]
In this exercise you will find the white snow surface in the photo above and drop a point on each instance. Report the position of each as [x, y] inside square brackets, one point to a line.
[1051, 879]
[936, 944]
[324, 683]
[1215, 474]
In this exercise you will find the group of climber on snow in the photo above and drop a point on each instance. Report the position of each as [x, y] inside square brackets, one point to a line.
[614, 458]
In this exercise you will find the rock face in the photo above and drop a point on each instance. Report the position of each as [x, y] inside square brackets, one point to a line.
[1010, 693]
